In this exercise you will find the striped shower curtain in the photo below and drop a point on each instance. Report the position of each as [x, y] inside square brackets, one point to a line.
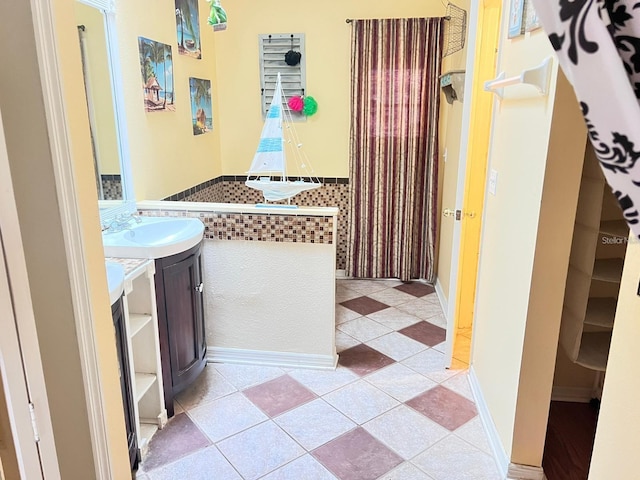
[395, 98]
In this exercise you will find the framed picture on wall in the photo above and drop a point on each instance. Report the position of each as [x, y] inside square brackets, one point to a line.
[201, 113]
[531, 19]
[188, 28]
[515, 18]
[156, 65]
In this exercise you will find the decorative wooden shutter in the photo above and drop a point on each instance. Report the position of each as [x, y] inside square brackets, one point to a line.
[273, 48]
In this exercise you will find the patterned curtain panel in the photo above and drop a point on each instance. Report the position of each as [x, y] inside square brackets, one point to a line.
[395, 99]
[598, 45]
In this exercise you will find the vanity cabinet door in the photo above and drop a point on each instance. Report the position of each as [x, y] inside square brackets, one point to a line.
[181, 318]
[117, 313]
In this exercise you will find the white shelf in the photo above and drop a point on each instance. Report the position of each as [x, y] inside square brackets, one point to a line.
[147, 430]
[608, 269]
[594, 350]
[601, 312]
[143, 383]
[615, 228]
[138, 321]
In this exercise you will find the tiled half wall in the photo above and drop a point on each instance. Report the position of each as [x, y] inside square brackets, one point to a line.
[231, 189]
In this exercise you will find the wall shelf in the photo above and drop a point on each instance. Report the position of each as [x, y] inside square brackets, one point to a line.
[594, 274]
[608, 269]
[615, 228]
[601, 312]
[594, 350]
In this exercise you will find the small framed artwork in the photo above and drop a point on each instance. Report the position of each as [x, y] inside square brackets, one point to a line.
[201, 112]
[515, 18]
[188, 28]
[156, 65]
[531, 19]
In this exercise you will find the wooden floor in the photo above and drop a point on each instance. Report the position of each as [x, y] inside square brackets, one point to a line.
[570, 434]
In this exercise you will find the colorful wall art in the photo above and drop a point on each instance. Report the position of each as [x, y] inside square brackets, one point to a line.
[201, 112]
[515, 18]
[156, 66]
[188, 28]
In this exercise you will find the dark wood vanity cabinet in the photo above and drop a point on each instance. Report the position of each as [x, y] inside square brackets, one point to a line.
[179, 298]
[117, 313]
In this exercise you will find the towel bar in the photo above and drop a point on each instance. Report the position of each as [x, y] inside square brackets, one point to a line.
[538, 77]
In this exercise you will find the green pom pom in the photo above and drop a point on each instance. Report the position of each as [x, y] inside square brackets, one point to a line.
[310, 106]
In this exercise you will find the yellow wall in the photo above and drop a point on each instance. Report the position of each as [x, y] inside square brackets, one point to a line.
[166, 157]
[327, 56]
[100, 86]
[551, 260]
[615, 450]
[518, 152]
[450, 130]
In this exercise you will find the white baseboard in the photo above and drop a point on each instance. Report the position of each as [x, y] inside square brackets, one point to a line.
[274, 359]
[508, 470]
[499, 454]
[525, 472]
[444, 304]
[572, 394]
[341, 274]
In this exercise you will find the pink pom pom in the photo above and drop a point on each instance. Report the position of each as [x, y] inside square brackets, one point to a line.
[296, 104]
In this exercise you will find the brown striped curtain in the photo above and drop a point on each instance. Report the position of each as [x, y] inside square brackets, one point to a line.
[395, 98]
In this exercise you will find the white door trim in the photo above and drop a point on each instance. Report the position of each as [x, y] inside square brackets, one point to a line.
[452, 321]
[20, 360]
[44, 28]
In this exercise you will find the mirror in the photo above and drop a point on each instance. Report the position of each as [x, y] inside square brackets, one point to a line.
[101, 73]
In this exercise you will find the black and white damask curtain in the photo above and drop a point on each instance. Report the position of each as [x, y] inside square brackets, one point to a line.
[598, 46]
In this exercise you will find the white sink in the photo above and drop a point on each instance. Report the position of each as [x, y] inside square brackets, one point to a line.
[153, 237]
[115, 280]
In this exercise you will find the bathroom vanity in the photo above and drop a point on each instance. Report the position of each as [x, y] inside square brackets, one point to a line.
[173, 247]
[179, 292]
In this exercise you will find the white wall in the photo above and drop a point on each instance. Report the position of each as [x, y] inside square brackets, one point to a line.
[270, 297]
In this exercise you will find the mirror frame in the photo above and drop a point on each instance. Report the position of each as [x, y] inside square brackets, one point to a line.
[110, 208]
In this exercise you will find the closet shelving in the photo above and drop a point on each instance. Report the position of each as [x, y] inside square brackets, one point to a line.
[144, 352]
[595, 269]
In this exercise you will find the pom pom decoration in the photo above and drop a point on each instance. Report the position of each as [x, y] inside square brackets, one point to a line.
[292, 58]
[310, 106]
[296, 104]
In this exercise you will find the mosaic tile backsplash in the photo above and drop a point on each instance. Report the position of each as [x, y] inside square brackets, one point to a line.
[111, 187]
[333, 193]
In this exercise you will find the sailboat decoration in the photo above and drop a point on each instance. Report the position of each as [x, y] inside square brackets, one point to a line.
[268, 169]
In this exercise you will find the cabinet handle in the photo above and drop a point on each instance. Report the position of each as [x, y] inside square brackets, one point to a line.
[199, 288]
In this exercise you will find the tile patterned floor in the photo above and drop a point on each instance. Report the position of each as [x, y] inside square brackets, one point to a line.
[390, 411]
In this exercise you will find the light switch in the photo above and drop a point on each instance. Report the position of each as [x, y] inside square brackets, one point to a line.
[493, 181]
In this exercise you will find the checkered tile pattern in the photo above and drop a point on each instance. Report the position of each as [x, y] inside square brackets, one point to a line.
[389, 411]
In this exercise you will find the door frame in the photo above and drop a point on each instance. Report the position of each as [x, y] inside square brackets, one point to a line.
[482, 44]
[71, 221]
[20, 363]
